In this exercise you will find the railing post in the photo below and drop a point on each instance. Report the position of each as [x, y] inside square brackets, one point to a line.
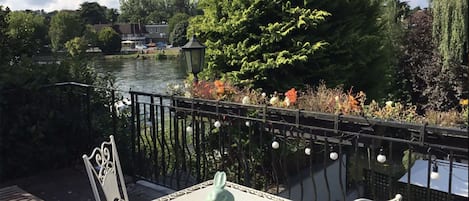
[113, 112]
[88, 111]
[132, 133]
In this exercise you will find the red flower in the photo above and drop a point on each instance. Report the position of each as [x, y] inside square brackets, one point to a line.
[291, 95]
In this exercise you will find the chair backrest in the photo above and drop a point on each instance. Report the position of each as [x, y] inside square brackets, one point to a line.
[103, 165]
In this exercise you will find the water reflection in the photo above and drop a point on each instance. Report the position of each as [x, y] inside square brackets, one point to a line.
[148, 75]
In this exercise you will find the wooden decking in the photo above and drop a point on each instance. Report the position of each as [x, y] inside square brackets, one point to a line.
[15, 193]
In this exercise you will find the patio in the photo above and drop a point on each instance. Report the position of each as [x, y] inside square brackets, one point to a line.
[73, 184]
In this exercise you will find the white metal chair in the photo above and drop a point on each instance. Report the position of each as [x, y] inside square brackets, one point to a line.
[397, 198]
[104, 166]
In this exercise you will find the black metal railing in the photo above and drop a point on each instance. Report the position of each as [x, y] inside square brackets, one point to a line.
[180, 144]
[302, 155]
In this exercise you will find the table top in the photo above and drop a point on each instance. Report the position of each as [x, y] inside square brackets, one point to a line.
[16, 193]
[200, 191]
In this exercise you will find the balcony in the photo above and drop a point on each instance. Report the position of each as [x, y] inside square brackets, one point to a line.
[176, 142]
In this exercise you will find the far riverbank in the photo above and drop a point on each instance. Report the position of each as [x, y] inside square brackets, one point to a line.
[168, 53]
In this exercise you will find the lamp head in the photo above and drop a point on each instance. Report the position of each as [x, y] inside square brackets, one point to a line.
[194, 52]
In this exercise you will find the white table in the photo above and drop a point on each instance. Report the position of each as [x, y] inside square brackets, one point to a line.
[200, 191]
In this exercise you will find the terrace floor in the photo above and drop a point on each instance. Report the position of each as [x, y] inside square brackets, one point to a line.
[73, 184]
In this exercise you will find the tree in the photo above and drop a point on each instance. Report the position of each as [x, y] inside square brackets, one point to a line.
[27, 31]
[112, 15]
[356, 47]
[109, 40]
[64, 26]
[451, 35]
[279, 44]
[77, 46]
[259, 43]
[176, 19]
[93, 13]
[178, 36]
[451, 29]
[4, 40]
[394, 28]
[90, 35]
[144, 11]
[177, 26]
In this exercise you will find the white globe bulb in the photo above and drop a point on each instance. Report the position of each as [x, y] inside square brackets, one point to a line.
[217, 124]
[381, 158]
[434, 175]
[333, 155]
[248, 123]
[189, 129]
[308, 151]
[275, 145]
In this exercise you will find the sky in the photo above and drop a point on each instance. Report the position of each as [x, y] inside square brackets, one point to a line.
[51, 5]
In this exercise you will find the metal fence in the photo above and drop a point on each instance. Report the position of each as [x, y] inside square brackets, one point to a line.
[297, 154]
[301, 155]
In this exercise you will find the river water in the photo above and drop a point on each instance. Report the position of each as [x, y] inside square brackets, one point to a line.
[149, 75]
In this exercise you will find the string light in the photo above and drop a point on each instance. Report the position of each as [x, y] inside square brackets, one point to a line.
[333, 155]
[189, 129]
[247, 123]
[217, 124]
[434, 174]
[308, 151]
[381, 157]
[275, 145]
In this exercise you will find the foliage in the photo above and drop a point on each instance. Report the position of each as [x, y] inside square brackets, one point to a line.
[35, 117]
[92, 13]
[90, 35]
[176, 19]
[143, 11]
[265, 43]
[178, 36]
[4, 40]
[112, 15]
[451, 35]
[64, 26]
[322, 99]
[394, 28]
[109, 40]
[451, 29]
[77, 46]
[27, 31]
[177, 26]
[357, 47]
[421, 74]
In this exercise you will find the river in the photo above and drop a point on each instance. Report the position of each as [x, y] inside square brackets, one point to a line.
[148, 75]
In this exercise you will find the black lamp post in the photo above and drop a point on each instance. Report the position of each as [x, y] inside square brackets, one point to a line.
[195, 54]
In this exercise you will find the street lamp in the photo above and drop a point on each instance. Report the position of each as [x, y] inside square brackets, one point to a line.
[194, 53]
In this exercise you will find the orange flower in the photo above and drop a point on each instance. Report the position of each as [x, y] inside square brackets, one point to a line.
[291, 95]
[220, 87]
[353, 103]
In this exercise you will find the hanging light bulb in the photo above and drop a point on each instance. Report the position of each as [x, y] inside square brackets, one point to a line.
[308, 151]
[434, 174]
[189, 129]
[275, 145]
[217, 124]
[333, 155]
[247, 123]
[381, 157]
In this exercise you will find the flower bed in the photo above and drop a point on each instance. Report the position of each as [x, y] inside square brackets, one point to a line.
[326, 100]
